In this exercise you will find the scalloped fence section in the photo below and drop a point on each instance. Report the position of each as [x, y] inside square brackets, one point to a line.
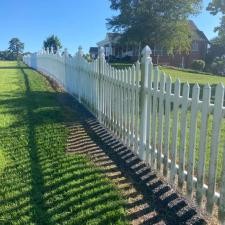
[178, 129]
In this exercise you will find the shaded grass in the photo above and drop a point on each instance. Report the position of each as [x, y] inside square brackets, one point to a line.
[40, 183]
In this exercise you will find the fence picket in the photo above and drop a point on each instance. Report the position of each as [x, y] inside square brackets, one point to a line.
[117, 98]
[126, 107]
[121, 104]
[129, 108]
[203, 140]
[183, 127]
[149, 111]
[192, 138]
[217, 118]
[154, 115]
[137, 78]
[133, 107]
[160, 120]
[113, 105]
[176, 98]
[167, 125]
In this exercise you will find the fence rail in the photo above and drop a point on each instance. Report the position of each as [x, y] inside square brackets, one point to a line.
[166, 124]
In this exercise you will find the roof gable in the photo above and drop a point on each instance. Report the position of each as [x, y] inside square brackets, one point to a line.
[196, 34]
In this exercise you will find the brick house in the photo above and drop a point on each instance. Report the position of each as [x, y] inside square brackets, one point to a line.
[113, 49]
[93, 51]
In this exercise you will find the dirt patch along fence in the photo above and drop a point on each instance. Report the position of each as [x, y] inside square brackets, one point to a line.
[168, 125]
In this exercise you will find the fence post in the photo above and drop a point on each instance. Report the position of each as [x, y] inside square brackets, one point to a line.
[80, 55]
[145, 61]
[100, 73]
[65, 55]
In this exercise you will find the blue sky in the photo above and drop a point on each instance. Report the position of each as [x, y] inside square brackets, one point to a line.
[75, 22]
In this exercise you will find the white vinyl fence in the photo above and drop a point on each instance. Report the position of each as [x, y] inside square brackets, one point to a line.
[176, 129]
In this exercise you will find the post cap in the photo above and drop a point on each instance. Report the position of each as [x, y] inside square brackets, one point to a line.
[65, 52]
[80, 51]
[146, 52]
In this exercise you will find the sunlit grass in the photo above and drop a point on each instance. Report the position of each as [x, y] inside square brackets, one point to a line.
[192, 77]
[8, 63]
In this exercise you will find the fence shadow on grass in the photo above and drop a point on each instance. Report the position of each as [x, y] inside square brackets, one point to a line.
[159, 202]
[37, 182]
[13, 67]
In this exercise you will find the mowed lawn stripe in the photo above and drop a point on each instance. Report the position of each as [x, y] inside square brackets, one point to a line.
[39, 182]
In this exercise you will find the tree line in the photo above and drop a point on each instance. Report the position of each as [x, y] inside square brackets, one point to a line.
[14, 51]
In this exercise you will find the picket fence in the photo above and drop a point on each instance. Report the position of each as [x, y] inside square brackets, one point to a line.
[146, 110]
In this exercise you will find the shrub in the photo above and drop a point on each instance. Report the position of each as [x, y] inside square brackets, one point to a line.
[218, 65]
[198, 65]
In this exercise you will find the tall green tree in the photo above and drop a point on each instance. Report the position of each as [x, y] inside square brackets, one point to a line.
[158, 23]
[215, 7]
[217, 48]
[52, 42]
[16, 47]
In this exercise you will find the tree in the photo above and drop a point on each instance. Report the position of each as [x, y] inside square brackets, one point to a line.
[218, 65]
[198, 65]
[217, 48]
[158, 23]
[7, 55]
[16, 47]
[215, 7]
[52, 42]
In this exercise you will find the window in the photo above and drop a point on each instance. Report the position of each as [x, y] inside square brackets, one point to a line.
[194, 46]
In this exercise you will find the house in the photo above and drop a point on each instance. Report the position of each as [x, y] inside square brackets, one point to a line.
[93, 51]
[114, 50]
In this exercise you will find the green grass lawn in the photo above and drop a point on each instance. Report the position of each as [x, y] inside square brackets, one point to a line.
[39, 182]
[8, 63]
[192, 77]
[184, 76]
